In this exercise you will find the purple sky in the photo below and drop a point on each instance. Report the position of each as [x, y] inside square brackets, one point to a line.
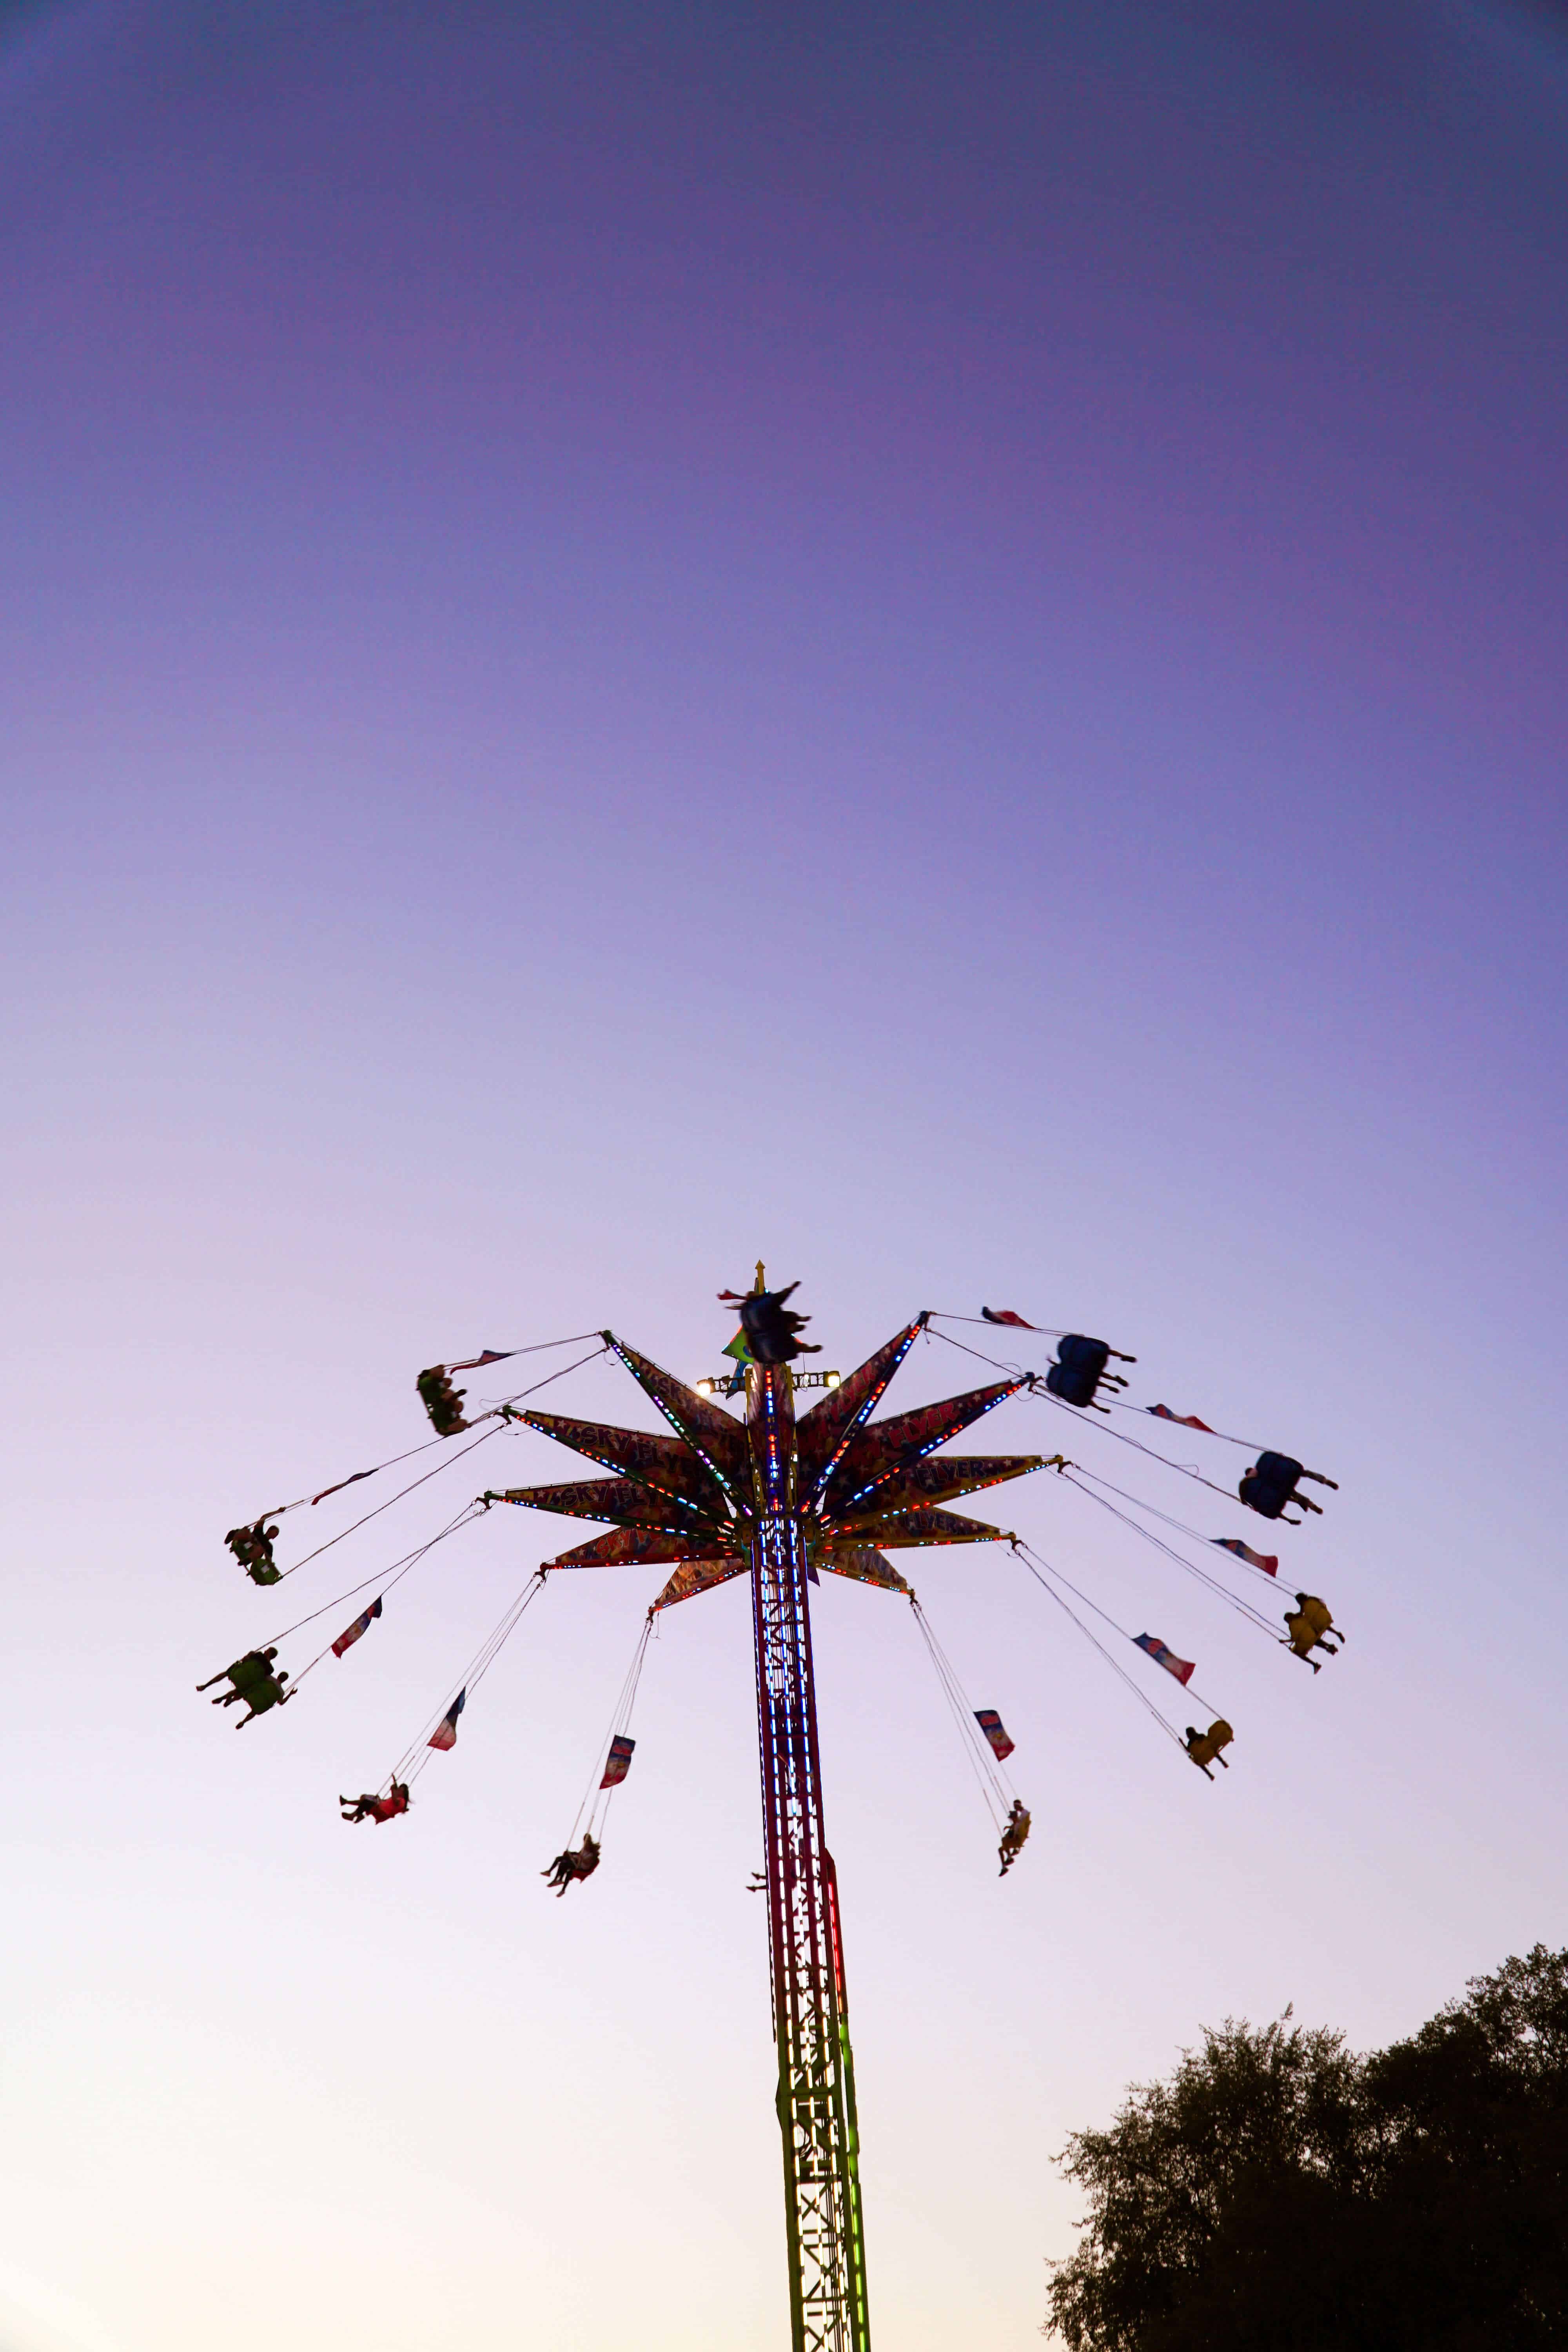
[931, 645]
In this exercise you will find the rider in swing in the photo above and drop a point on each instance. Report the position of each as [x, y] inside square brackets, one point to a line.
[372, 1808]
[1014, 1833]
[576, 1862]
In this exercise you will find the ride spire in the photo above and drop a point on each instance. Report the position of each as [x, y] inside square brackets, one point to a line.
[716, 1494]
[784, 1500]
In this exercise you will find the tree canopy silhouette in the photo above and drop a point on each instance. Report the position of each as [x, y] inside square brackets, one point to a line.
[1280, 2194]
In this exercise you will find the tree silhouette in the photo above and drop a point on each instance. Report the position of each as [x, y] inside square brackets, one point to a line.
[1280, 2194]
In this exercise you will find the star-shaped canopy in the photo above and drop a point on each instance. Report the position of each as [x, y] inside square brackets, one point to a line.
[862, 1487]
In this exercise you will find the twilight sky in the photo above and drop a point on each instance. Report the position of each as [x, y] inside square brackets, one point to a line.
[927, 642]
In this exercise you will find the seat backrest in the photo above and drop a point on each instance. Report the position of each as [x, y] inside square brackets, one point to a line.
[1267, 1501]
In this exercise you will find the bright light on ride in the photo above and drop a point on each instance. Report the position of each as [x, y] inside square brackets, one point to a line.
[704, 1388]
[831, 1379]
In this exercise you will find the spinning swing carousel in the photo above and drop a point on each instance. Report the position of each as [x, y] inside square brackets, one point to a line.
[783, 1497]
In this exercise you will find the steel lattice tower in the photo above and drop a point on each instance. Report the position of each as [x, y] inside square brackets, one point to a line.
[811, 2023]
[784, 1499]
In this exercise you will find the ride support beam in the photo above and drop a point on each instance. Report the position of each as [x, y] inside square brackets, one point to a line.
[816, 2071]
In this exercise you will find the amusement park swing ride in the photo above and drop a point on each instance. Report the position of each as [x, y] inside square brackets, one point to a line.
[781, 1496]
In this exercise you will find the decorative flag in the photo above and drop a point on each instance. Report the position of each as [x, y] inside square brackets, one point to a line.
[1187, 1419]
[361, 1625]
[739, 1348]
[620, 1761]
[1183, 1668]
[1268, 1561]
[486, 1356]
[1005, 1315]
[990, 1723]
[446, 1732]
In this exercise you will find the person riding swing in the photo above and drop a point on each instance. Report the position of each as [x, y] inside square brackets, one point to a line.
[1271, 1485]
[1307, 1626]
[255, 1681]
[370, 1808]
[579, 1863]
[252, 1548]
[1014, 1833]
[442, 1402]
[1080, 1372]
[245, 1674]
[1203, 1747]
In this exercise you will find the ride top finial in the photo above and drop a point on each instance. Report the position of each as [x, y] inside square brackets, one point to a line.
[761, 1282]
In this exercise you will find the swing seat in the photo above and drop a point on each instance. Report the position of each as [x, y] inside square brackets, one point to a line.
[1203, 1747]
[442, 1402]
[1271, 1485]
[1078, 1369]
[252, 1548]
[1308, 1626]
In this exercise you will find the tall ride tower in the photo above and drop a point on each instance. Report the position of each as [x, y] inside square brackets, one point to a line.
[811, 2020]
[785, 1500]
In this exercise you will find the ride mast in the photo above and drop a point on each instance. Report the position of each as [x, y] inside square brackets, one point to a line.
[716, 1495]
[811, 2021]
[782, 1500]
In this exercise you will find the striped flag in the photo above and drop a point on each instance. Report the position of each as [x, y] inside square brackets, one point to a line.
[1187, 1419]
[1183, 1668]
[1005, 1315]
[361, 1625]
[990, 1723]
[619, 1763]
[1268, 1561]
[486, 1356]
[446, 1732]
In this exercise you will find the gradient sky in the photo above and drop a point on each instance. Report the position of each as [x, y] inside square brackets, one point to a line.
[926, 642]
